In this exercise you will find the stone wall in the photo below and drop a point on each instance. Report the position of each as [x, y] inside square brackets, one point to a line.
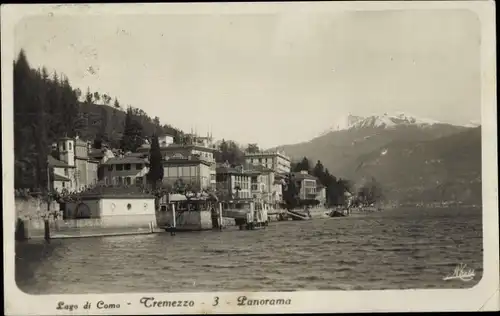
[186, 220]
[35, 208]
[35, 228]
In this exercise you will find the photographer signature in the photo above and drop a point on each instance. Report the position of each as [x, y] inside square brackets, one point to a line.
[461, 272]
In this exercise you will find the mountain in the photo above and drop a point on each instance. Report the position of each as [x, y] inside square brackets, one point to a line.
[412, 158]
[362, 135]
[443, 169]
[379, 121]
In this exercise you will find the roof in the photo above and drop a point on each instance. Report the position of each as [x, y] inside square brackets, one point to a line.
[186, 161]
[58, 177]
[115, 192]
[53, 162]
[260, 168]
[125, 160]
[225, 169]
[172, 147]
[80, 142]
[302, 176]
[94, 153]
[140, 155]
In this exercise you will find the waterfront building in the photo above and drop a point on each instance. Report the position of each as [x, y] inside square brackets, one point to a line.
[275, 160]
[263, 184]
[113, 207]
[307, 184]
[235, 182]
[72, 169]
[196, 147]
[188, 170]
[130, 169]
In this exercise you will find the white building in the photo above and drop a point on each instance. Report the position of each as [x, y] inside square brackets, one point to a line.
[73, 169]
[277, 161]
[129, 170]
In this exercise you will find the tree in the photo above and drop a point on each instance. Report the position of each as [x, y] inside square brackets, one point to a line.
[252, 148]
[370, 192]
[132, 135]
[155, 173]
[89, 97]
[319, 171]
[303, 165]
[97, 143]
[230, 152]
[97, 96]
[116, 104]
[290, 192]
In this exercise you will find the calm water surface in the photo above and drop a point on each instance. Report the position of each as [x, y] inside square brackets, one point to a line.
[394, 249]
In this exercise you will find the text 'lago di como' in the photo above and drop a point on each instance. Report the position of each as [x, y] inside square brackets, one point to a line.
[153, 302]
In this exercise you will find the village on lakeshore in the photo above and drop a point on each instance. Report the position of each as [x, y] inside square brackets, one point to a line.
[94, 168]
[113, 185]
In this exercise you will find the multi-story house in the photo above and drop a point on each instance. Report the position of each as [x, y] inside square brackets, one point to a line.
[73, 169]
[263, 184]
[234, 182]
[193, 146]
[188, 170]
[307, 184]
[277, 161]
[128, 169]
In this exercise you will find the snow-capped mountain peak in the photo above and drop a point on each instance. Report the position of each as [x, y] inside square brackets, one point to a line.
[379, 121]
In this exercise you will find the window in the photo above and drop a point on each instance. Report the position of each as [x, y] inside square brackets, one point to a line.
[128, 180]
[119, 167]
[120, 180]
[127, 166]
[138, 180]
[66, 171]
[69, 146]
[129, 206]
[138, 166]
[106, 180]
[110, 168]
[172, 172]
[63, 184]
[63, 146]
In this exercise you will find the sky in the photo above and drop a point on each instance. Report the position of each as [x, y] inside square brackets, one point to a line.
[271, 79]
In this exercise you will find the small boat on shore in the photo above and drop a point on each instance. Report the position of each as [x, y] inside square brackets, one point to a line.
[339, 213]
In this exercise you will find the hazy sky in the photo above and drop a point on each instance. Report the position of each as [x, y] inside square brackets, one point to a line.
[270, 79]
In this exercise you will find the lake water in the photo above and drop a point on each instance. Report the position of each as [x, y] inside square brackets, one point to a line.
[393, 249]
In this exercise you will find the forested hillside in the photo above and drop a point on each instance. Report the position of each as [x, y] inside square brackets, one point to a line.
[47, 107]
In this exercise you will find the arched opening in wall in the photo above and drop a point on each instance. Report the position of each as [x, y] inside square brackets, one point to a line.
[82, 211]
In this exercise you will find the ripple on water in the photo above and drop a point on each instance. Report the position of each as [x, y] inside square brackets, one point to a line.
[393, 249]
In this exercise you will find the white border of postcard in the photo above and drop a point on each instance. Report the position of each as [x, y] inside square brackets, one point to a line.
[483, 296]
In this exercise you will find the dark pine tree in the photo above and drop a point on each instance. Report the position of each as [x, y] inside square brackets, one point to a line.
[319, 172]
[132, 135]
[155, 173]
[252, 148]
[290, 193]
